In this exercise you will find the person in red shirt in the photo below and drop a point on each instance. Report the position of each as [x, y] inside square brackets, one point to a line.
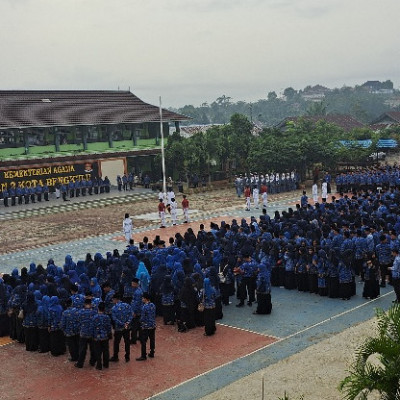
[247, 194]
[161, 212]
[185, 208]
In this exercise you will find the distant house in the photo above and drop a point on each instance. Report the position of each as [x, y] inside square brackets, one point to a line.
[387, 119]
[378, 87]
[315, 93]
[346, 122]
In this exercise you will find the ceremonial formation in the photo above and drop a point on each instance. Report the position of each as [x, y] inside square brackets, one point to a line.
[327, 249]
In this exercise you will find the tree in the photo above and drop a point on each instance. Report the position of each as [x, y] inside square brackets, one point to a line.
[272, 96]
[289, 93]
[377, 365]
[317, 109]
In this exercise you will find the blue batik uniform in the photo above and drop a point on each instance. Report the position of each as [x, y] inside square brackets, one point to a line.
[101, 327]
[78, 300]
[108, 301]
[148, 316]
[136, 303]
[70, 322]
[121, 314]
[85, 317]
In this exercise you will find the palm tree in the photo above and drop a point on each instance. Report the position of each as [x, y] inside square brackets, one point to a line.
[377, 365]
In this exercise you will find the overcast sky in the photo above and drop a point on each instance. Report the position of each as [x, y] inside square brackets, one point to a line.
[193, 51]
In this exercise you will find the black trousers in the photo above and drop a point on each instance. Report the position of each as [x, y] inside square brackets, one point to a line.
[209, 321]
[146, 334]
[73, 346]
[31, 338]
[135, 329]
[102, 353]
[83, 344]
[44, 340]
[247, 287]
[118, 335]
[57, 343]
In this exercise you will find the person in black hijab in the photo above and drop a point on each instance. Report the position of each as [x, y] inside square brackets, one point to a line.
[189, 302]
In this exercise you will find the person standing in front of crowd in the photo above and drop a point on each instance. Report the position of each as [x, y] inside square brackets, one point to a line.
[247, 195]
[174, 210]
[208, 297]
[384, 255]
[147, 327]
[57, 341]
[248, 271]
[30, 323]
[124, 182]
[185, 208]
[304, 200]
[127, 226]
[85, 317]
[161, 212]
[136, 305]
[255, 196]
[314, 191]
[324, 190]
[264, 305]
[119, 183]
[70, 327]
[122, 316]
[395, 269]
[101, 335]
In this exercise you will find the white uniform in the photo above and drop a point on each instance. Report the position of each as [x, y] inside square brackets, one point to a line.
[264, 197]
[174, 206]
[314, 190]
[255, 197]
[127, 226]
[324, 191]
[170, 195]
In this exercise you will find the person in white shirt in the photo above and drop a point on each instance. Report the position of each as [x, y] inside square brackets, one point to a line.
[170, 196]
[255, 197]
[127, 226]
[174, 207]
[264, 197]
[324, 190]
[314, 191]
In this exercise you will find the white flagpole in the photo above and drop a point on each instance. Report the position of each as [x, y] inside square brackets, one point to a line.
[162, 151]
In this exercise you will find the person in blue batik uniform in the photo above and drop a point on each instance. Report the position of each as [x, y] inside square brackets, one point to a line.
[264, 305]
[57, 341]
[147, 327]
[30, 323]
[70, 327]
[208, 296]
[85, 318]
[101, 336]
[122, 316]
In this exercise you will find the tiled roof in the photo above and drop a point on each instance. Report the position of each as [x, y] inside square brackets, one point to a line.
[388, 118]
[46, 108]
[346, 122]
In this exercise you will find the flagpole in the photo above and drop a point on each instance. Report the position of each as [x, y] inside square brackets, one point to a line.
[162, 151]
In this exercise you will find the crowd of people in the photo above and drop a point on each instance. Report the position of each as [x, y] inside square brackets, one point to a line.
[20, 194]
[274, 182]
[321, 248]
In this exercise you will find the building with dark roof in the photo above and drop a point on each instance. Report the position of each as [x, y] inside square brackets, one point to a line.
[387, 119]
[80, 126]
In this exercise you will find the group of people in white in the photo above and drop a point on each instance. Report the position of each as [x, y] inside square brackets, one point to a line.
[324, 191]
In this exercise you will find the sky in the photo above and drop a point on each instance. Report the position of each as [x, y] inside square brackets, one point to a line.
[194, 51]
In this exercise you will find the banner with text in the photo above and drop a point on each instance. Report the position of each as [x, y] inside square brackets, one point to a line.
[47, 174]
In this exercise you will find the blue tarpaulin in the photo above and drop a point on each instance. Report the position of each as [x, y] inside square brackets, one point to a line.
[382, 143]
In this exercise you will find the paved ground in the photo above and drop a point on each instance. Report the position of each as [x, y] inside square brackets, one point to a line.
[187, 366]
